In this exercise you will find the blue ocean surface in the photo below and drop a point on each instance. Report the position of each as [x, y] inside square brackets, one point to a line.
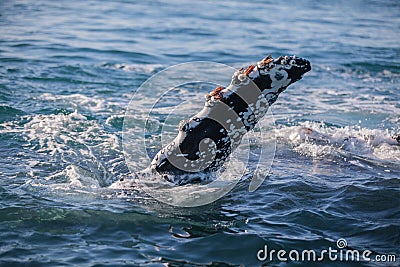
[68, 71]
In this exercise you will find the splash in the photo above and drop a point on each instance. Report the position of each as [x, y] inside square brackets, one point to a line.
[68, 149]
[317, 140]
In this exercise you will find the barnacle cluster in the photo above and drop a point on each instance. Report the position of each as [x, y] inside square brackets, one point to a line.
[266, 63]
[242, 74]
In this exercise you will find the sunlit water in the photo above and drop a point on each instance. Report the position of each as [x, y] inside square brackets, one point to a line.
[68, 70]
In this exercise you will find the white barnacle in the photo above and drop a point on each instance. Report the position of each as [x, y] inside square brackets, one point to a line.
[242, 77]
[236, 135]
[225, 139]
[246, 115]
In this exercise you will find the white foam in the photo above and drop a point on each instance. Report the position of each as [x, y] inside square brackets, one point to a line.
[92, 104]
[139, 68]
[318, 140]
[73, 141]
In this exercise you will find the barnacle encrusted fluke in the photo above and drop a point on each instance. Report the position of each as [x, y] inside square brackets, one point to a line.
[206, 140]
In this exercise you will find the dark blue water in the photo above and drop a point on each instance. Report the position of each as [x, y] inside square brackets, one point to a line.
[69, 68]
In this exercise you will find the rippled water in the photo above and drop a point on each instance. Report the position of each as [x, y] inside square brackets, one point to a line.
[68, 70]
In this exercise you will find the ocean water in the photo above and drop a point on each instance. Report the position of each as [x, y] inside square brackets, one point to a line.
[68, 70]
